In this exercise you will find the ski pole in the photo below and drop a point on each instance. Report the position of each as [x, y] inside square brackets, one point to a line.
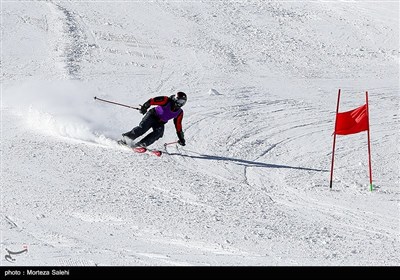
[166, 144]
[112, 102]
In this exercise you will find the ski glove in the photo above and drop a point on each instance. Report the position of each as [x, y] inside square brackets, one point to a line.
[144, 107]
[181, 137]
[182, 142]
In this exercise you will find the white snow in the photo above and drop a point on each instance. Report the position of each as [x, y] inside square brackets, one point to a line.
[251, 187]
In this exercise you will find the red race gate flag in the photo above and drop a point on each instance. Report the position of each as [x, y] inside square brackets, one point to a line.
[353, 121]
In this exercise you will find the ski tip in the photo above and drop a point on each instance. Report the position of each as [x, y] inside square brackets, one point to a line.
[157, 153]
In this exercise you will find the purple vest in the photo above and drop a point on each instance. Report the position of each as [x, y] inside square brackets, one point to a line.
[165, 113]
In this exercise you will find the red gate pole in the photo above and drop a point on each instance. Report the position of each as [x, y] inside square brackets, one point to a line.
[369, 144]
[334, 139]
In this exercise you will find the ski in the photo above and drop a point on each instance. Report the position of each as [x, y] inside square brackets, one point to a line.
[156, 152]
[139, 149]
[143, 150]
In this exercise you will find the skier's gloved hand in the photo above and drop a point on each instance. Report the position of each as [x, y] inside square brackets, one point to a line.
[144, 107]
[182, 142]
[181, 137]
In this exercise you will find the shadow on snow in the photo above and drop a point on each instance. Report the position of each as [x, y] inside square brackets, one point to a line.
[246, 163]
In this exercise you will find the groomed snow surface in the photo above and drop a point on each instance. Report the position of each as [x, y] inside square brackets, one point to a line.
[251, 187]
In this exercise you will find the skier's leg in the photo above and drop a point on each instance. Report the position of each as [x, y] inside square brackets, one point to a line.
[146, 123]
[157, 133]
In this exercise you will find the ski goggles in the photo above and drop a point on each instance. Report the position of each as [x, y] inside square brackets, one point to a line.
[180, 102]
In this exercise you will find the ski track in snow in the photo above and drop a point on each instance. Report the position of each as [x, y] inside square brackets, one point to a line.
[77, 38]
[251, 186]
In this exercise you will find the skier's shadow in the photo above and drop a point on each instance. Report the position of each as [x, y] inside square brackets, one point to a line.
[246, 163]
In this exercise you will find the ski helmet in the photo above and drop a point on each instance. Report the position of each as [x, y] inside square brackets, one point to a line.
[180, 99]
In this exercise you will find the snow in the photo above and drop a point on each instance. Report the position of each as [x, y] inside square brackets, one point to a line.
[251, 186]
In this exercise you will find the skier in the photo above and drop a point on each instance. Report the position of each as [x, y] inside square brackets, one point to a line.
[168, 108]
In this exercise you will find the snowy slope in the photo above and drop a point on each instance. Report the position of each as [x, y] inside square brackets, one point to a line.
[251, 187]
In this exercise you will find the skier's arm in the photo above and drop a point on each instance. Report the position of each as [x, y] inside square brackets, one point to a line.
[178, 126]
[159, 100]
